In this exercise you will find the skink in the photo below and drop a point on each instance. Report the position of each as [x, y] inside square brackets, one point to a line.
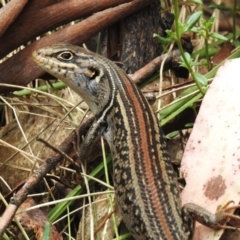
[144, 180]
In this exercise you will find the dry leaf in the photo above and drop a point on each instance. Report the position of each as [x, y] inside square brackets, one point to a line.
[35, 220]
[103, 222]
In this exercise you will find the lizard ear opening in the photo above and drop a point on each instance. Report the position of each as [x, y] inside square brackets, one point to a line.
[93, 73]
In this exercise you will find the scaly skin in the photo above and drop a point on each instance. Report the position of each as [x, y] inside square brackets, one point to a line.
[144, 180]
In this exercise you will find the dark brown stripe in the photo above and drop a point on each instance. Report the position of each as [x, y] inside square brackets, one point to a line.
[163, 206]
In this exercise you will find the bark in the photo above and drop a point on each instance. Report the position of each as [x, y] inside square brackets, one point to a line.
[131, 40]
[9, 13]
[20, 69]
[39, 17]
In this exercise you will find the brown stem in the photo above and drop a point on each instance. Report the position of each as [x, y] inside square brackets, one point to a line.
[20, 69]
[37, 18]
[9, 13]
[149, 69]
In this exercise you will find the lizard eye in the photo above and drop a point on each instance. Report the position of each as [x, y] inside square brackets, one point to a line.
[67, 56]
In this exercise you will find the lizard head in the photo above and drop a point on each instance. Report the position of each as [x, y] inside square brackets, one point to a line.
[84, 72]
